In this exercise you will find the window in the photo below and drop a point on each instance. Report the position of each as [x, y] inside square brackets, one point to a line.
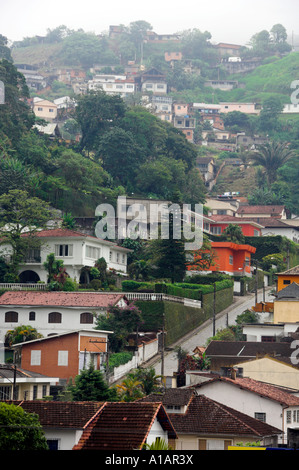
[110, 256]
[44, 392]
[11, 317]
[86, 318]
[117, 257]
[54, 317]
[289, 416]
[64, 250]
[231, 260]
[63, 358]
[53, 444]
[39, 109]
[5, 393]
[260, 416]
[216, 230]
[35, 358]
[34, 392]
[286, 282]
[93, 252]
[123, 259]
[31, 316]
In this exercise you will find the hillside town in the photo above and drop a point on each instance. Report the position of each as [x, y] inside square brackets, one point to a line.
[96, 158]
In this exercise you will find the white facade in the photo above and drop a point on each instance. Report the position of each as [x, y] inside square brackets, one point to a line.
[154, 87]
[292, 233]
[75, 250]
[52, 318]
[112, 84]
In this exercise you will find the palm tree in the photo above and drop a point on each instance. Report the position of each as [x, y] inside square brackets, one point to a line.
[272, 156]
[130, 389]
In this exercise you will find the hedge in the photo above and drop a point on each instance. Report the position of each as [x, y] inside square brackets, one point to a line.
[183, 289]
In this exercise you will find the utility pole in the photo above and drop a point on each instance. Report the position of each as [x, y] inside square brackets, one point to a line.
[162, 348]
[214, 311]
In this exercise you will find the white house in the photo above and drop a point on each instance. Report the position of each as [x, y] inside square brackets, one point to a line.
[76, 249]
[62, 422]
[113, 84]
[54, 312]
[262, 401]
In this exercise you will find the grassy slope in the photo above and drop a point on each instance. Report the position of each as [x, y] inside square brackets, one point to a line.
[37, 55]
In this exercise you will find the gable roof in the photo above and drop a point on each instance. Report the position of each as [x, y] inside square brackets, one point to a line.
[60, 299]
[247, 209]
[262, 389]
[206, 416]
[67, 233]
[290, 272]
[123, 426]
[248, 349]
[60, 414]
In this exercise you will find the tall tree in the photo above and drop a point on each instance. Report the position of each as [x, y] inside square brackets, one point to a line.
[96, 113]
[21, 216]
[170, 255]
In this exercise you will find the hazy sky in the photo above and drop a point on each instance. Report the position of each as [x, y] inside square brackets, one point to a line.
[227, 20]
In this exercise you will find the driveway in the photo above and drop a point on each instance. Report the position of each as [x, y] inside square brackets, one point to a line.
[199, 336]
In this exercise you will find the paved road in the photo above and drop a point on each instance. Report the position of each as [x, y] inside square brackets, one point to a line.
[199, 336]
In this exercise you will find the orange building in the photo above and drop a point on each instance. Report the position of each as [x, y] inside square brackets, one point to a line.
[287, 277]
[64, 355]
[230, 258]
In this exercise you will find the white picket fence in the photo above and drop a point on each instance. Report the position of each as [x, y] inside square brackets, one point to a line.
[20, 286]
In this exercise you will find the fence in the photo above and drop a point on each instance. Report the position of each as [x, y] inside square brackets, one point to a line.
[20, 286]
[159, 297]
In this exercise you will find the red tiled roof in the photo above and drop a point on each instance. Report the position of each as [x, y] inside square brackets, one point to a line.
[59, 414]
[237, 220]
[260, 209]
[60, 299]
[262, 389]
[233, 246]
[123, 426]
[207, 416]
[66, 233]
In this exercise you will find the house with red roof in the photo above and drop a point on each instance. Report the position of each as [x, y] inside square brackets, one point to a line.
[204, 424]
[128, 426]
[55, 312]
[274, 211]
[76, 249]
[62, 422]
[274, 405]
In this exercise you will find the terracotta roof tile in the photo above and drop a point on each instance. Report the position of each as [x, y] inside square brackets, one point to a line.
[262, 389]
[60, 299]
[59, 414]
[123, 426]
[207, 416]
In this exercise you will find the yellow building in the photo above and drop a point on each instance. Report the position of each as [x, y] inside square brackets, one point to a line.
[287, 277]
[272, 370]
[286, 305]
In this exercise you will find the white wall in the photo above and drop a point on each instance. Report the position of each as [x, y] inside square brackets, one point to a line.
[244, 401]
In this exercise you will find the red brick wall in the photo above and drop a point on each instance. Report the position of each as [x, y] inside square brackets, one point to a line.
[49, 356]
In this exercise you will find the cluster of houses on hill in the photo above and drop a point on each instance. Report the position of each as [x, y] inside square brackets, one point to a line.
[250, 390]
